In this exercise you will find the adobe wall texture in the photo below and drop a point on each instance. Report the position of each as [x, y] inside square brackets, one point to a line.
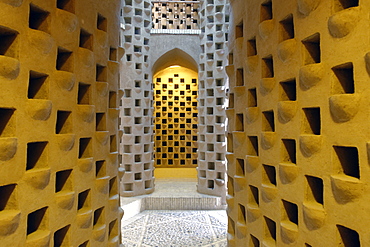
[59, 78]
[298, 137]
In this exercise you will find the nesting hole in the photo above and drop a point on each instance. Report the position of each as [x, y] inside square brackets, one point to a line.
[36, 155]
[254, 195]
[345, 4]
[8, 42]
[239, 30]
[85, 148]
[270, 228]
[343, 79]
[252, 145]
[99, 218]
[38, 18]
[8, 199]
[101, 73]
[312, 50]
[86, 39]
[61, 237]
[315, 189]
[291, 211]
[312, 121]
[37, 220]
[102, 23]
[64, 122]
[288, 90]
[239, 77]
[347, 157]
[84, 94]
[348, 237]
[239, 122]
[268, 121]
[241, 214]
[251, 47]
[288, 151]
[63, 181]
[100, 169]
[38, 86]
[267, 67]
[287, 28]
[7, 122]
[252, 97]
[269, 175]
[100, 124]
[113, 143]
[84, 200]
[240, 167]
[67, 5]
[64, 60]
[266, 11]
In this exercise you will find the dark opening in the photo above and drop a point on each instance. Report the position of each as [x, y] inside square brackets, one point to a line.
[348, 160]
[36, 155]
[289, 151]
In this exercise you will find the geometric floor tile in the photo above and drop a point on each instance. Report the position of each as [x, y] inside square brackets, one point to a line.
[175, 228]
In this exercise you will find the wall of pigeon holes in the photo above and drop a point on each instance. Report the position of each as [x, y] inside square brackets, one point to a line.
[298, 136]
[59, 75]
[137, 102]
[204, 144]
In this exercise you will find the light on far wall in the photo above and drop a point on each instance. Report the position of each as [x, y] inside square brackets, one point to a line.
[174, 66]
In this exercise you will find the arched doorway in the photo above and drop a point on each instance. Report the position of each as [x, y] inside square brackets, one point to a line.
[175, 90]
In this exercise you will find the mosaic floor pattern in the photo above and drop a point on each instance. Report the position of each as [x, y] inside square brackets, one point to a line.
[157, 228]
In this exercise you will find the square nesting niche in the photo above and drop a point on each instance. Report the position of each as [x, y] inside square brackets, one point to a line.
[84, 94]
[311, 123]
[8, 42]
[37, 220]
[37, 155]
[312, 49]
[64, 122]
[38, 85]
[85, 148]
[63, 181]
[346, 161]
[8, 198]
[345, 4]
[61, 237]
[64, 60]
[288, 151]
[67, 5]
[287, 28]
[86, 39]
[343, 79]
[39, 19]
[7, 122]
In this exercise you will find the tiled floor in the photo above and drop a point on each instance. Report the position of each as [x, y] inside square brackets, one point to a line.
[159, 228]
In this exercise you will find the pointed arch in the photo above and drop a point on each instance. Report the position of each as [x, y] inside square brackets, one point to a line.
[175, 56]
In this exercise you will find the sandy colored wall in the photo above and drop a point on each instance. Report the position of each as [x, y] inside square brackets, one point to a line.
[298, 134]
[176, 118]
[58, 132]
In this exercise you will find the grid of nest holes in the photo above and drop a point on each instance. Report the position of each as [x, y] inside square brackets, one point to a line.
[175, 125]
[37, 166]
[175, 14]
[345, 158]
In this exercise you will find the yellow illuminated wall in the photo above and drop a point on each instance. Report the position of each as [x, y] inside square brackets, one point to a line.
[175, 112]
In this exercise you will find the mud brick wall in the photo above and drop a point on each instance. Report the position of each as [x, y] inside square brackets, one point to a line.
[298, 136]
[58, 123]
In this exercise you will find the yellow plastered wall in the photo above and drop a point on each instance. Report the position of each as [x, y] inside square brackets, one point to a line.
[58, 123]
[298, 135]
[175, 112]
